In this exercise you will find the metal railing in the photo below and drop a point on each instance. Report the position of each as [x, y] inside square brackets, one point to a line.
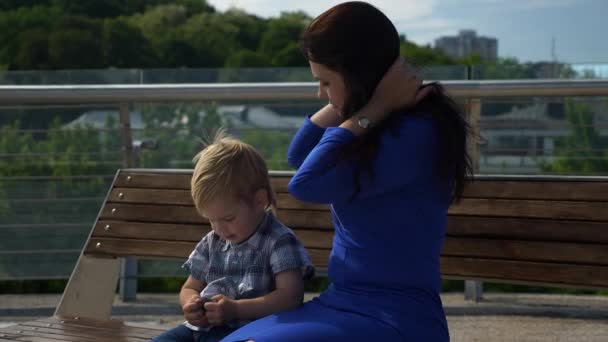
[226, 92]
[124, 96]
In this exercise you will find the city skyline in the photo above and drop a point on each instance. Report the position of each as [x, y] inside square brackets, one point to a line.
[529, 30]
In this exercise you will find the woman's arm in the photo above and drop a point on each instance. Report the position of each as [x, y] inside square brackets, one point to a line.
[310, 133]
[402, 159]
[324, 178]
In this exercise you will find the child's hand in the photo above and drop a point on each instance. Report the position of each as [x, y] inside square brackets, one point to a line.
[193, 312]
[221, 310]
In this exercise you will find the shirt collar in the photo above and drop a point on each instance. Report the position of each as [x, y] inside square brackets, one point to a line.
[255, 241]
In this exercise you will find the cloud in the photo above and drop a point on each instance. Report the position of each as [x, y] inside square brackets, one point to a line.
[395, 10]
[426, 29]
[521, 4]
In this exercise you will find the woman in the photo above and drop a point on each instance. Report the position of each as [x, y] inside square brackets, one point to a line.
[389, 162]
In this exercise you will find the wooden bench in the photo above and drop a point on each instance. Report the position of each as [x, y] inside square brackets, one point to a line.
[532, 230]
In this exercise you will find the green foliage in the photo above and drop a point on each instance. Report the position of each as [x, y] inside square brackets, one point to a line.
[423, 56]
[125, 46]
[584, 151]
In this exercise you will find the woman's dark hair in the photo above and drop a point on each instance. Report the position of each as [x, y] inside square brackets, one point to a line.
[359, 42]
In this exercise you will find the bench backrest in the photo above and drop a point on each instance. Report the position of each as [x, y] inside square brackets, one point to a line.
[549, 230]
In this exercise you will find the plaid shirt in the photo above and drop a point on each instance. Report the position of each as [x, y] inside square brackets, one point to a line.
[247, 269]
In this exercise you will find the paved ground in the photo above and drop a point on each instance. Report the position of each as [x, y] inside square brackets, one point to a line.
[500, 317]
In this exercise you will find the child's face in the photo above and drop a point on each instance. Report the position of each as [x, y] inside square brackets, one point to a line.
[235, 220]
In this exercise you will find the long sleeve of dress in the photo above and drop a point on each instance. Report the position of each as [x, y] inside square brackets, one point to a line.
[303, 142]
[402, 158]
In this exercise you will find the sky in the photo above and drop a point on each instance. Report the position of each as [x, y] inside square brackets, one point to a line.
[525, 29]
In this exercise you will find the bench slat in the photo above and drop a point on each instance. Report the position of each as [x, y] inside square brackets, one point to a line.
[151, 231]
[97, 331]
[522, 271]
[112, 324]
[176, 181]
[592, 211]
[570, 253]
[478, 227]
[322, 219]
[173, 249]
[29, 333]
[183, 197]
[188, 215]
[191, 233]
[575, 190]
[537, 190]
[527, 229]
[566, 253]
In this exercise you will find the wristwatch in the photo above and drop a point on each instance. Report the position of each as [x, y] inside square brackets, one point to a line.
[364, 122]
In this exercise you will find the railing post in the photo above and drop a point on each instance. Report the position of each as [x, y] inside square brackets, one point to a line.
[128, 267]
[473, 290]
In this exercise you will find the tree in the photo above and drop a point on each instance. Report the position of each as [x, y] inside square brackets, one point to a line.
[423, 56]
[282, 32]
[212, 38]
[74, 44]
[246, 59]
[249, 28]
[17, 27]
[32, 51]
[125, 46]
[289, 56]
[584, 151]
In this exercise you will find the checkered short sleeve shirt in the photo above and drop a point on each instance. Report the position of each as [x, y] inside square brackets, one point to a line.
[251, 265]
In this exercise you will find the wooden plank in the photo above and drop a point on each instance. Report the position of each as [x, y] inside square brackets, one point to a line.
[161, 180]
[191, 233]
[152, 213]
[90, 290]
[527, 229]
[523, 188]
[538, 190]
[286, 201]
[80, 333]
[152, 231]
[151, 196]
[593, 211]
[568, 253]
[23, 338]
[69, 329]
[27, 333]
[112, 324]
[522, 271]
[133, 247]
[279, 183]
[188, 215]
[163, 249]
[112, 327]
[178, 180]
[183, 197]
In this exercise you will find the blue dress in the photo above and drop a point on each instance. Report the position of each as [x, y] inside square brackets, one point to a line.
[384, 263]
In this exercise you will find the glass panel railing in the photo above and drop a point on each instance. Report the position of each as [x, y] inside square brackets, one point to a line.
[54, 172]
[562, 136]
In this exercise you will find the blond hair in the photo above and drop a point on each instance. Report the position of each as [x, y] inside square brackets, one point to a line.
[229, 167]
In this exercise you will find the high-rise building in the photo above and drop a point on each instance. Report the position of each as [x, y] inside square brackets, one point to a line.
[468, 43]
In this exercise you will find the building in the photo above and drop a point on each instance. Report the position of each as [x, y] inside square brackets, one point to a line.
[468, 43]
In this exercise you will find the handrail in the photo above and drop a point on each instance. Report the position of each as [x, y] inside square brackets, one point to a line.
[234, 92]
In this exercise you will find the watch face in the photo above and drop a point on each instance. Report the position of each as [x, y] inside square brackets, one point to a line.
[363, 122]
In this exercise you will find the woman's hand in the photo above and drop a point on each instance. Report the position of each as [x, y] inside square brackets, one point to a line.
[193, 312]
[398, 88]
[327, 116]
[220, 310]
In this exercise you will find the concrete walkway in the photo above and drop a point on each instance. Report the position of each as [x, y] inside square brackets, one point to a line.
[499, 317]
